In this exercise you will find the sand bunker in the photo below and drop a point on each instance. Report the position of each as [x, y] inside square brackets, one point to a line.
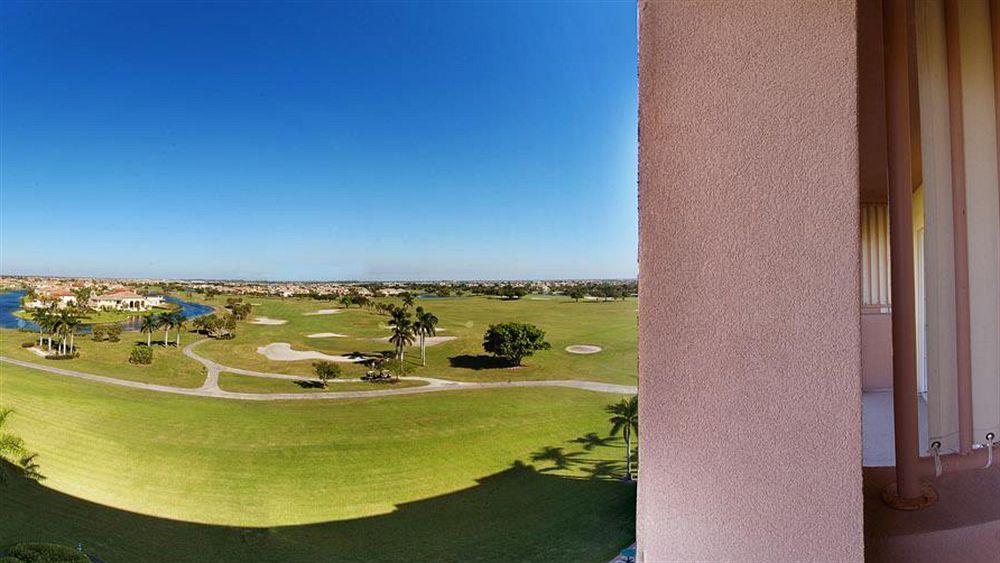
[583, 349]
[267, 321]
[429, 341]
[323, 312]
[326, 335]
[282, 352]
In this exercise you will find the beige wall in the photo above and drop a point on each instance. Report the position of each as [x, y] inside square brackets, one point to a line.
[749, 326]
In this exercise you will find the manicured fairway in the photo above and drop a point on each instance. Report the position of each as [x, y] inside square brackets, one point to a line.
[249, 384]
[493, 475]
[611, 325]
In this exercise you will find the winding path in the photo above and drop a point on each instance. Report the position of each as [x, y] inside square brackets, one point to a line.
[210, 388]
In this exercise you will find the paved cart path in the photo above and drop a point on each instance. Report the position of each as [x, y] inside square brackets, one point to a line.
[210, 388]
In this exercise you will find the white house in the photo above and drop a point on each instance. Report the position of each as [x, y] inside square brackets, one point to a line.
[124, 300]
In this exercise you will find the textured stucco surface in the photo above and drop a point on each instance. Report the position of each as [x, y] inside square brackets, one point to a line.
[750, 356]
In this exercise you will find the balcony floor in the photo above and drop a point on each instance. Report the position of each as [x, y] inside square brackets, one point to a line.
[964, 525]
[877, 428]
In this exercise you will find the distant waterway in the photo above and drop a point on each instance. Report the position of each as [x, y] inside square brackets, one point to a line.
[10, 303]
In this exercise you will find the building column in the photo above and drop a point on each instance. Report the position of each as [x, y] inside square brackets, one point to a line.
[749, 346]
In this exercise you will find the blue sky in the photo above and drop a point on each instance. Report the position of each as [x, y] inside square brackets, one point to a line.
[318, 141]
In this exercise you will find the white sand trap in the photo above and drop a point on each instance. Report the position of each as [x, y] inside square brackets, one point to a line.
[282, 352]
[429, 341]
[326, 335]
[323, 312]
[267, 321]
[540, 298]
[583, 349]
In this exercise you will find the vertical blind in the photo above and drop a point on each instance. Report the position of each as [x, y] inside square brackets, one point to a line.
[875, 270]
[982, 219]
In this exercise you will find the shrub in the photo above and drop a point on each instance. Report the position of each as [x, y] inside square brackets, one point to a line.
[141, 355]
[114, 332]
[514, 341]
[69, 356]
[28, 344]
[44, 553]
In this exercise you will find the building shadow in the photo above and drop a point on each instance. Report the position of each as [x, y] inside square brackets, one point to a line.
[519, 514]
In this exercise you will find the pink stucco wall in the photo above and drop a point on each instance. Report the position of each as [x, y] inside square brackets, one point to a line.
[749, 346]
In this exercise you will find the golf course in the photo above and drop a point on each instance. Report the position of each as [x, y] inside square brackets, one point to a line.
[230, 449]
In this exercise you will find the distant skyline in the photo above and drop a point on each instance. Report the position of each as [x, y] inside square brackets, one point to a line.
[318, 141]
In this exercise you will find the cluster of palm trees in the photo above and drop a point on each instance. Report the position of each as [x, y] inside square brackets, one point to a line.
[165, 321]
[407, 327]
[59, 325]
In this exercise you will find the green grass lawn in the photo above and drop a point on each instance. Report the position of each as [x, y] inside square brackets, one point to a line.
[611, 325]
[170, 366]
[484, 475]
[238, 383]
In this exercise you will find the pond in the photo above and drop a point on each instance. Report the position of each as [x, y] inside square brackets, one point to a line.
[10, 302]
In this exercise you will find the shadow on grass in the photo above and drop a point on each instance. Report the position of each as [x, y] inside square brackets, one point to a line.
[479, 361]
[519, 514]
[309, 384]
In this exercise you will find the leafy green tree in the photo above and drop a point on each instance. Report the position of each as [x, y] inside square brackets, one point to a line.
[514, 341]
[346, 301]
[397, 367]
[326, 371]
[424, 325]
[82, 295]
[576, 294]
[240, 310]
[625, 421]
[402, 330]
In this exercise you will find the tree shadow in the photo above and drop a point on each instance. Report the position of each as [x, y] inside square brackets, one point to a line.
[592, 440]
[557, 456]
[479, 362]
[309, 384]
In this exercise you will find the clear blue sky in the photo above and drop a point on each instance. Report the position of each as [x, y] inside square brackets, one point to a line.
[318, 141]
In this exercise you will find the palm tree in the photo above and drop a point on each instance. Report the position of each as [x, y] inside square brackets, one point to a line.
[59, 329]
[625, 420]
[166, 322]
[70, 321]
[38, 315]
[11, 446]
[178, 320]
[407, 300]
[424, 327]
[402, 331]
[149, 324]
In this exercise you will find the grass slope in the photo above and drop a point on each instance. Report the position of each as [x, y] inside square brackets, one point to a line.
[490, 475]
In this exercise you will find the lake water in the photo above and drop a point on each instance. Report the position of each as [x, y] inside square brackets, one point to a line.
[10, 302]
